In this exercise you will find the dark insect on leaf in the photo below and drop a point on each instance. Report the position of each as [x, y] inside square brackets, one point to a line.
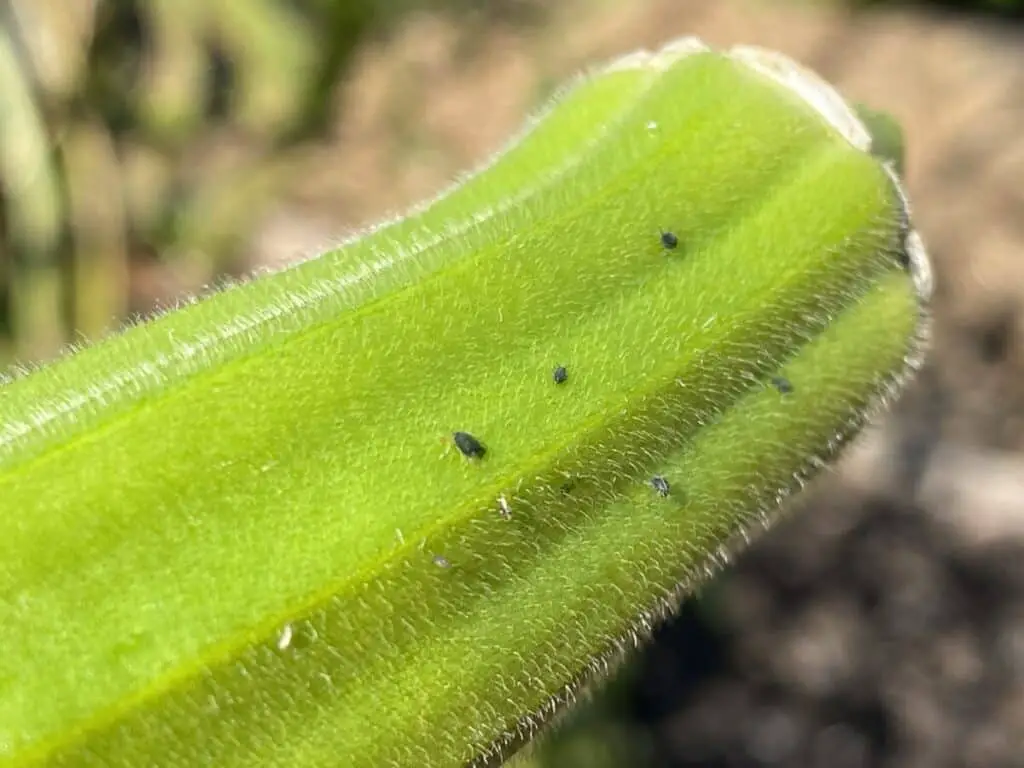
[669, 240]
[782, 384]
[660, 484]
[560, 375]
[469, 445]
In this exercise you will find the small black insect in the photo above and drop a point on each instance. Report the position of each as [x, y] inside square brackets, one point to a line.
[660, 484]
[560, 375]
[669, 240]
[469, 445]
[782, 384]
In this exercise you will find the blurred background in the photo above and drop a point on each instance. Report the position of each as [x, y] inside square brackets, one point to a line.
[150, 148]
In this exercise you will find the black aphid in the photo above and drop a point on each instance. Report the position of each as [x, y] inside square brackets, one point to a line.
[560, 375]
[660, 484]
[669, 240]
[469, 445]
[782, 384]
[441, 561]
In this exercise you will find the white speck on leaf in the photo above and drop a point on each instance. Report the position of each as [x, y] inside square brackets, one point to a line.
[285, 638]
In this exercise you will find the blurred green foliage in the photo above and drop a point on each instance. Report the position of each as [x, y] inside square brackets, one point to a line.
[135, 133]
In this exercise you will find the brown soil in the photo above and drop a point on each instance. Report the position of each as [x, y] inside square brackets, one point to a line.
[883, 622]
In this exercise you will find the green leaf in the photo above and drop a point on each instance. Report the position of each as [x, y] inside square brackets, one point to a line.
[240, 534]
[886, 136]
